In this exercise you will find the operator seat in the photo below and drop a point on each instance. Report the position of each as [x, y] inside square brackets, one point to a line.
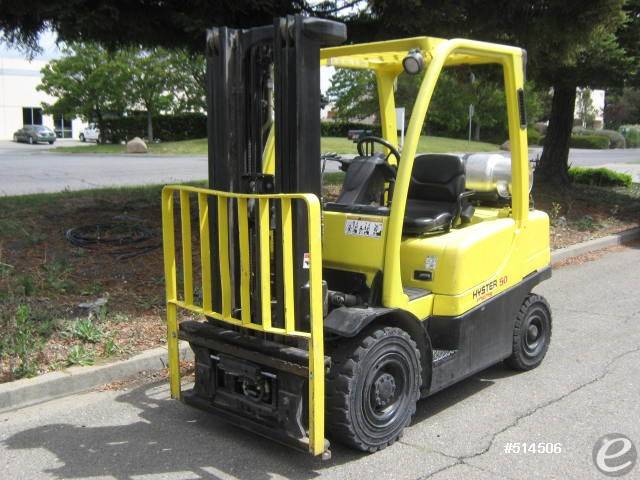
[436, 195]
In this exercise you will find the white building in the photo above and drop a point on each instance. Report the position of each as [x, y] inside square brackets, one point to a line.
[21, 102]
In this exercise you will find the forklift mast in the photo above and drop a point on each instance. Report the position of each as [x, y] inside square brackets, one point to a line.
[246, 69]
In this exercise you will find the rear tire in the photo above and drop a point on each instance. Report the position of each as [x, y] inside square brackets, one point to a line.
[82, 139]
[531, 334]
[372, 388]
[30, 140]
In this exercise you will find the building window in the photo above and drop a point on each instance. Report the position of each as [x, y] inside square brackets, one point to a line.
[62, 126]
[31, 116]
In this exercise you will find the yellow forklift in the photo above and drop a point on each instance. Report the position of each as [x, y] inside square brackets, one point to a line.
[308, 316]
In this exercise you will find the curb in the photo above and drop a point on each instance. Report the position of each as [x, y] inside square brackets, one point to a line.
[595, 244]
[30, 391]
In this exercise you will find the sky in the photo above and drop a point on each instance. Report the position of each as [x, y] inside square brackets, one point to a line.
[47, 42]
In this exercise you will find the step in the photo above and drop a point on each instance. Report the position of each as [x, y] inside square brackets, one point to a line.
[414, 293]
[442, 356]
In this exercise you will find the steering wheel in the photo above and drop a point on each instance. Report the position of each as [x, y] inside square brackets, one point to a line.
[365, 153]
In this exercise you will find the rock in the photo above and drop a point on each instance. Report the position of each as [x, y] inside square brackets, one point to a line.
[506, 146]
[560, 222]
[94, 306]
[136, 145]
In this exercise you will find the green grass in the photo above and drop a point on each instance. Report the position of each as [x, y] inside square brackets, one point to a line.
[333, 178]
[427, 144]
[329, 144]
[185, 147]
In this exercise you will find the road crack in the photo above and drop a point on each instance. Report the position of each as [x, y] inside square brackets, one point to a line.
[463, 459]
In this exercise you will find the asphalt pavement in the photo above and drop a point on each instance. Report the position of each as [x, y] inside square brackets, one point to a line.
[588, 386]
[36, 169]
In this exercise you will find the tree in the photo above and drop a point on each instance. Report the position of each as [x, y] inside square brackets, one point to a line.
[599, 63]
[190, 80]
[90, 81]
[570, 43]
[622, 107]
[586, 109]
[87, 81]
[169, 24]
[353, 94]
[151, 82]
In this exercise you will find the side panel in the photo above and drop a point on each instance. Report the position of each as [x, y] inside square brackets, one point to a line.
[351, 243]
[482, 337]
[471, 265]
[463, 258]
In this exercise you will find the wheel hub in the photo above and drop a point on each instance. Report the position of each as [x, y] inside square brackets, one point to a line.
[532, 333]
[385, 389]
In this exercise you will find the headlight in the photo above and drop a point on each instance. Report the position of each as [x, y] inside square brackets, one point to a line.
[413, 63]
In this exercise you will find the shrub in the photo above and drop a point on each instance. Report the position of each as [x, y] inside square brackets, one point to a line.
[602, 177]
[340, 129]
[616, 139]
[631, 135]
[168, 128]
[594, 142]
[533, 136]
[540, 127]
[78, 355]
[85, 330]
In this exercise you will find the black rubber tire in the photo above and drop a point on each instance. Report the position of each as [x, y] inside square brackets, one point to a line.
[530, 349]
[375, 364]
[30, 141]
[82, 139]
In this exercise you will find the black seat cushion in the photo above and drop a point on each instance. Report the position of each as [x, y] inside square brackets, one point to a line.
[423, 216]
[437, 181]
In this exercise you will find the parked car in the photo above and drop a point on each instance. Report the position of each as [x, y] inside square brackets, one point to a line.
[91, 134]
[34, 134]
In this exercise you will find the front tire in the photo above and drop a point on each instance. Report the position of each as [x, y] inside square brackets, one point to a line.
[82, 139]
[372, 388]
[30, 140]
[531, 334]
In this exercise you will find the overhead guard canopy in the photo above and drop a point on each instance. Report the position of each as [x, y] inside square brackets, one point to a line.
[389, 54]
